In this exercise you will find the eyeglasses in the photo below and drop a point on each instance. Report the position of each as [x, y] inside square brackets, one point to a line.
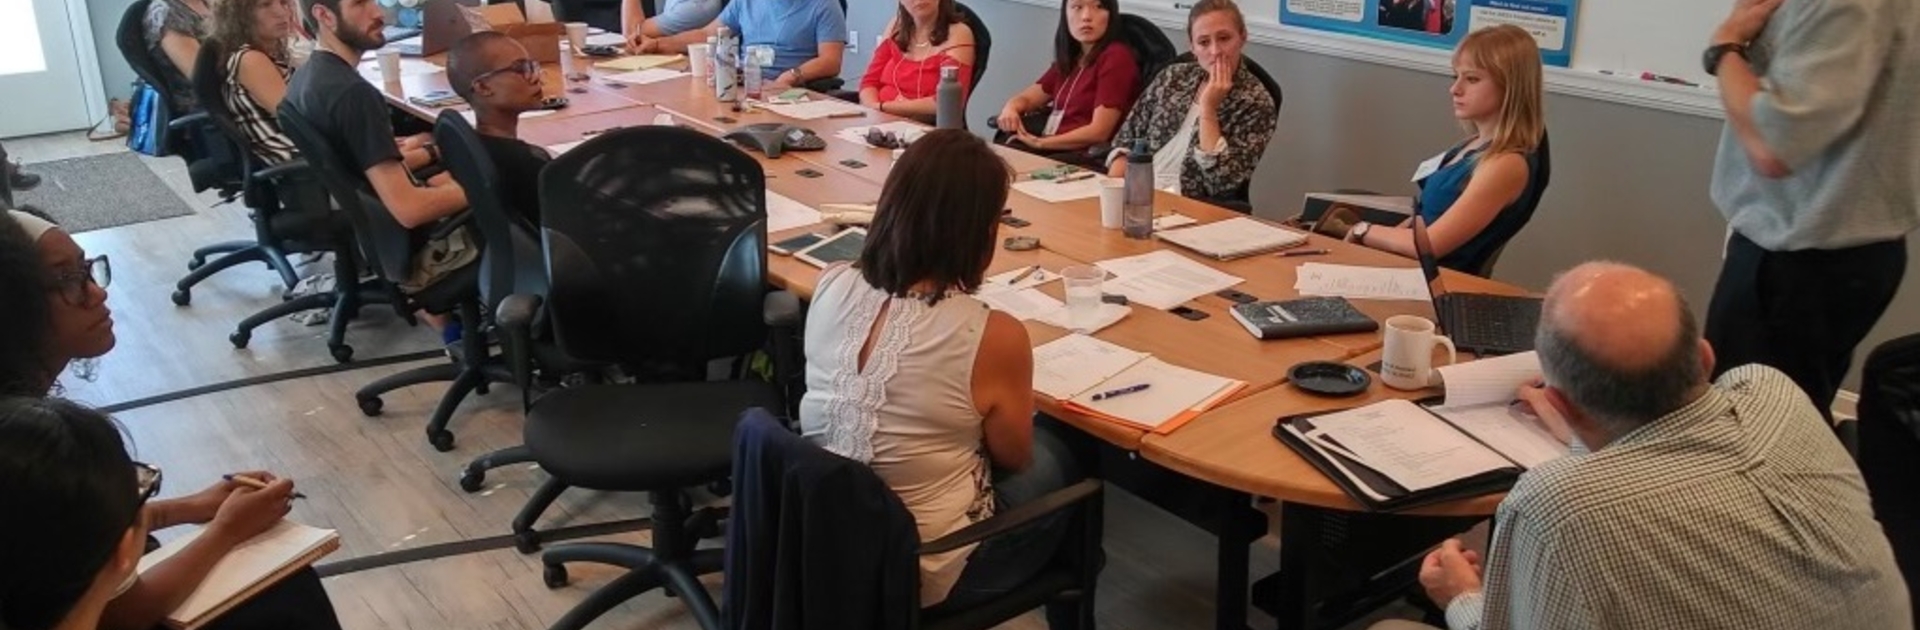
[528, 69]
[72, 283]
[147, 480]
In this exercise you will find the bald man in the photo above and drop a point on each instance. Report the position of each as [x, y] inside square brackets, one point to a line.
[1723, 504]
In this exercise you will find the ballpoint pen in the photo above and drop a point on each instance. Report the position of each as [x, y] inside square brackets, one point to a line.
[1303, 252]
[1122, 391]
[254, 483]
[1074, 177]
[1023, 275]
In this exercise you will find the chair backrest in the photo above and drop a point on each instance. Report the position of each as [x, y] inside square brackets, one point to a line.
[131, 38]
[982, 41]
[1515, 217]
[511, 262]
[782, 484]
[383, 242]
[1890, 386]
[655, 241]
[209, 88]
[1889, 442]
[1150, 45]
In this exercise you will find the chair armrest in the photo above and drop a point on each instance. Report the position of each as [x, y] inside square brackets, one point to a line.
[1004, 522]
[782, 309]
[280, 170]
[514, 318]
[188, 120]
[447, 225]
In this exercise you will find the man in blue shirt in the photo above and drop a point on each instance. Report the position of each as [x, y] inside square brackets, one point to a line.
[808, 37]
[675, 17]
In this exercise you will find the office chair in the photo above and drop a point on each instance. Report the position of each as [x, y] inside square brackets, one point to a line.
[210, 165]
[982, 42]
[656, 259]
[1150, 46]
[1889, 443]
[1514, 217]
[791, 499]
[602, 14]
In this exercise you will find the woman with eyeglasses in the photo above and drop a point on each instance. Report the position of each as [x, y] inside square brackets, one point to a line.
[56, 314]
[73, 500]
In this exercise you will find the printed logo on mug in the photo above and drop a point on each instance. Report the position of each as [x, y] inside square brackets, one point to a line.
[1406, 359]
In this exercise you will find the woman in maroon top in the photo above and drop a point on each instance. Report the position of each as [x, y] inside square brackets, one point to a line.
[1086, 92]
[924, 36]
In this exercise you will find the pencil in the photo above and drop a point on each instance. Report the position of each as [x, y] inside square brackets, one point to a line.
[254, 483]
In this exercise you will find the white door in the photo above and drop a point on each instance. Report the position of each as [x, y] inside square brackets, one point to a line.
[39, 69]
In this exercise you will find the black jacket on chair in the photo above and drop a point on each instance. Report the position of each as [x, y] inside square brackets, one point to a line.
[782, 572]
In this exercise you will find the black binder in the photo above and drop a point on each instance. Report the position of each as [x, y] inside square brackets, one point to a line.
[1398, 498]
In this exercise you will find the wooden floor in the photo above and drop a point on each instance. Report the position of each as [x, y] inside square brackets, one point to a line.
[378, 482]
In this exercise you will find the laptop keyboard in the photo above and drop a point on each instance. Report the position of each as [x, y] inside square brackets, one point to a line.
[1490, 323]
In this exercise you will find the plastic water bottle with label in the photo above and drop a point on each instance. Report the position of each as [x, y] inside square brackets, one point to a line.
[726, 57]
[757, 58]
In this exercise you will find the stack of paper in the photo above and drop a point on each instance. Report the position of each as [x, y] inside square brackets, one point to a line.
[649, 75]
[1057, 191]
[1162, 279]
[606, 39]
[819, 108]
[1478, 400]
[1162, 396]
[1032, 305]
[636, 62]
[1365, 283]
[249, 568]
[1237, 237]
[784, 213]
[1405, 443]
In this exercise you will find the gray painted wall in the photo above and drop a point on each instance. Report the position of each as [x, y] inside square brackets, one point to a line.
[115, 75]
[1629, 183]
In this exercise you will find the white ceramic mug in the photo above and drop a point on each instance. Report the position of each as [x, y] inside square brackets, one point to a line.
[1113, 197]
[1406, 361]
[577, 36]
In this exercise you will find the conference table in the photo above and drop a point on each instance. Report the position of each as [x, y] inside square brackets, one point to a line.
[1226, 455]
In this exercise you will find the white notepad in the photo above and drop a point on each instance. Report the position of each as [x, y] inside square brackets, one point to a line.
[1075, 368]
[249, 568]
[783, 213]
[648, 75]
[1237, 237]
[1162, 279]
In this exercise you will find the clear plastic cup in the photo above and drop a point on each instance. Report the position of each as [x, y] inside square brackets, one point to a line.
[1083, 295]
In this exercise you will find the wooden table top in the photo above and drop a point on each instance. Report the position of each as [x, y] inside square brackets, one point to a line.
[1229, 446]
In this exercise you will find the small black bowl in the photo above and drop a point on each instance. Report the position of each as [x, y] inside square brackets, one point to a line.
[1327, 378]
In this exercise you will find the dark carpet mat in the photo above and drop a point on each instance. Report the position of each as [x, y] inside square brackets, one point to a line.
[101, 191]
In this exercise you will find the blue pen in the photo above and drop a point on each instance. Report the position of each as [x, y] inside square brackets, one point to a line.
[1122, 391]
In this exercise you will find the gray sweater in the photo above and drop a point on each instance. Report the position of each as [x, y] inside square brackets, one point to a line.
[1841, 106]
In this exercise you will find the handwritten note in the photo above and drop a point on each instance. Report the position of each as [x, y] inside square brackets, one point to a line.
[1367, 283]
[1065, 367]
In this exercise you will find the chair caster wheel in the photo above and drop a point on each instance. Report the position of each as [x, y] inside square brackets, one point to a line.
[441, 440]
[239, 339]
[526, 542]
[181, 297]
[370, 407]
[472, 480]
[555, 575]
[342, 353]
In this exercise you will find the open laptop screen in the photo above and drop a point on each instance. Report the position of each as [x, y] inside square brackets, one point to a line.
[1429, 264]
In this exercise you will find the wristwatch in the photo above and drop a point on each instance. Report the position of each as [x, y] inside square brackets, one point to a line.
[1717, 51]
[1359, 232]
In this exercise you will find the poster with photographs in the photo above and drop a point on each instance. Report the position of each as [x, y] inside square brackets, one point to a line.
[1440, 23]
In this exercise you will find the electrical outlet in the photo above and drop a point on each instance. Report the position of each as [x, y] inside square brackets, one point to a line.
[853, 42]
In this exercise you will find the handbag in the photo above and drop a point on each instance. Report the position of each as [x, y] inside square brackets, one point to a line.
[147, 121]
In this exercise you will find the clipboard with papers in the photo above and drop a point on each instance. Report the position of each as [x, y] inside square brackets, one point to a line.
[1082, 371]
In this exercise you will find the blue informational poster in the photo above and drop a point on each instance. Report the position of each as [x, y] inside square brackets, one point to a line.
[1440, 23]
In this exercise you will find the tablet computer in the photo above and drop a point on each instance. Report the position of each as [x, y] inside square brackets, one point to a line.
[797, 243]
[842, 247]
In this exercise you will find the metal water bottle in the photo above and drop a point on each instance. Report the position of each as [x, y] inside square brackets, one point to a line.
[950, 111]
[726, 56]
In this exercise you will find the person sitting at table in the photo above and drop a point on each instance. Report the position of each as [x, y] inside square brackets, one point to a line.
[56, 317]
[351, 114]
[1207, 121]
[73, 499]
[675, 16]
[172, 30]
[1693, 504]
[496, 76]
[924, 37]
[808, 37]
[910, 374]
[253, 35]
[1086, 91]
[1470, 195]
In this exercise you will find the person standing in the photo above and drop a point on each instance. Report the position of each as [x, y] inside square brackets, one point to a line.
[1818, 175]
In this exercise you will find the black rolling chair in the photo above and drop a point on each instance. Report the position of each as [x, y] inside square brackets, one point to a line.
[982, 41]
[1889, 444]
[602, 14]
[776, 526]
[210, 165]
[1151, 48]
[387, 248]
[656, 258]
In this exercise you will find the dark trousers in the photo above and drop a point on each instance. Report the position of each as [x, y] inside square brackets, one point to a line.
[1801, 312]
[1005, 562]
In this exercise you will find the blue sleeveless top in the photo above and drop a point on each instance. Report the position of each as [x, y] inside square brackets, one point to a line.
[1442, 188]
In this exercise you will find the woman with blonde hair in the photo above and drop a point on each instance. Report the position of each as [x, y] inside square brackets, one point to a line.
[253, 35]
[1477, 195]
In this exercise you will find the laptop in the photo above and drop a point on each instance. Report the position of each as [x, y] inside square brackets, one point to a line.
[1481, 323]
[442, 22]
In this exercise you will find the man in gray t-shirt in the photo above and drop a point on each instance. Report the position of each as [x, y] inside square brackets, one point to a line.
[1818, 175]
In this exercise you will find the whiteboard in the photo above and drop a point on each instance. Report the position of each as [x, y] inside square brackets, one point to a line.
[1623, 37]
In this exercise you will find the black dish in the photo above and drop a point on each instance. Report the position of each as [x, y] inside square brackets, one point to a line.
[1327, 378]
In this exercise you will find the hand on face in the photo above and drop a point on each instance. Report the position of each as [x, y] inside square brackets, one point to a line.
[1219, 82]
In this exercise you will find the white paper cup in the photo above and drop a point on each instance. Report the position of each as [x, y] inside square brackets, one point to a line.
[577, 35]
[699, 56]
[390, 66]
[1113, 197]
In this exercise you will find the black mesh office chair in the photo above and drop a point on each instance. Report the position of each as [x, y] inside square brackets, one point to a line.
[1889, 444]
[1151, 48]
[656, 259]
[783, 483]
[982, 41]
[210, 165]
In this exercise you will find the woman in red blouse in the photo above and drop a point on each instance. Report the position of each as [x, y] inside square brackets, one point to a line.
[1088, 89]
[924, 36]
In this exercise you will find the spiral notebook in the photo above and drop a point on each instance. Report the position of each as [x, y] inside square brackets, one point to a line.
[250, 568]
[1237, 237]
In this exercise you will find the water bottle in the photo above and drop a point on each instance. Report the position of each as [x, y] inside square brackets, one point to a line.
[1136, 215]
[950, 112]
[726, 78]
[709, 61]
[750, 71]
[566, 60]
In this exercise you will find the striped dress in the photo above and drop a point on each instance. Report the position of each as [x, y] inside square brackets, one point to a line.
[263, 132]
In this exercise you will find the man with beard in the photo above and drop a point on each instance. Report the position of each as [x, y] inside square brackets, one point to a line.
[350, 114]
